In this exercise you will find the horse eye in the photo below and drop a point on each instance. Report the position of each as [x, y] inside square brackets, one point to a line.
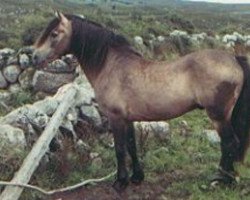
[54, 34]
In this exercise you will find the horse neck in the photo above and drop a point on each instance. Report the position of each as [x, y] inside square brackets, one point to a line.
[115, 60]
[94, 72]
[91, 72]
[109, 59]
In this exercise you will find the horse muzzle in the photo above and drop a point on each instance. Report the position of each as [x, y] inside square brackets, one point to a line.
[39, 60]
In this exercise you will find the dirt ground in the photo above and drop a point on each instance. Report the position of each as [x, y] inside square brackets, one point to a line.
[155, 190]
[106, 192]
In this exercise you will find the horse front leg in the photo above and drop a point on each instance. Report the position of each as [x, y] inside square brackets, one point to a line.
[119, 127]
[138, 174]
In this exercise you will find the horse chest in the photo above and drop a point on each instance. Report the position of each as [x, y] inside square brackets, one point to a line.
[110, 100]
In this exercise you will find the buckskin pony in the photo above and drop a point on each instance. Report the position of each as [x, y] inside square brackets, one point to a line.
[130, 88]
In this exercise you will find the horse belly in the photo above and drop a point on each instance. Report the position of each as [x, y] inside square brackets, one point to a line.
[160, 107]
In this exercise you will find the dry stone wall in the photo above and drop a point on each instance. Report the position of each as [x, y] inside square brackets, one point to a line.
[16, 69]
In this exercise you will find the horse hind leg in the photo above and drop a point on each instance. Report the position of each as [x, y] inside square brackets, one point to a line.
[219, 109]
[138, 174]
[229, 152]
[229, 148]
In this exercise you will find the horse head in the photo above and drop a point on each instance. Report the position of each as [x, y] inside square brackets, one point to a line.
[54, 41]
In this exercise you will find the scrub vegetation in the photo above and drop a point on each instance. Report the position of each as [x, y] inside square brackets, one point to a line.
[177, 167]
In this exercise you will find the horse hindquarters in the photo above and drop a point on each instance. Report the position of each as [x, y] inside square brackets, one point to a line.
[234, 133]
[235, 139]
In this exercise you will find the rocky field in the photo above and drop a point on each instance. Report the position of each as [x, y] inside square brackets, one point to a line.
[179, 156]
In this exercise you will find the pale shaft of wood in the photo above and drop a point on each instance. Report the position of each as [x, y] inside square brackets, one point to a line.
[40, 148]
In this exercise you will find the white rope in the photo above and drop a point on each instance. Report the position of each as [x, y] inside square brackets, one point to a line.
[89, 181]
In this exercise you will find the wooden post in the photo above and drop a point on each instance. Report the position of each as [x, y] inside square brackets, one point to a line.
[40, 147]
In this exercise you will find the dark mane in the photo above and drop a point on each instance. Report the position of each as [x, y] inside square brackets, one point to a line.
[91, 41]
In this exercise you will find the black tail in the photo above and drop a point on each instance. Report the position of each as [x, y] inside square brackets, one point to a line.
[241, 113]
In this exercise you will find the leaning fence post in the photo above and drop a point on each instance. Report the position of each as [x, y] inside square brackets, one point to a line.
[31, 162]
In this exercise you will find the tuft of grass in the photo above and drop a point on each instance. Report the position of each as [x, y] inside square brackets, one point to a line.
[10, 160]
[21, 98]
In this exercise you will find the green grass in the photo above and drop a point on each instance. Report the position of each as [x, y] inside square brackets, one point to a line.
[128, 20]
[181, 164]
[15, 100]
[21, 98]
[185, 159]
[186, 162]
[10, 160]
[194, 160]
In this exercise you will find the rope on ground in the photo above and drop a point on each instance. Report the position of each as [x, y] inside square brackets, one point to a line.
[66, 189]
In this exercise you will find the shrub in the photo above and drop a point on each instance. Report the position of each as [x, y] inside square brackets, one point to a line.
[182, 44]
[32, 27]
[179, 22]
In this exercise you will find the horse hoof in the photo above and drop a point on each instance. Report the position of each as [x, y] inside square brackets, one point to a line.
[120, 186]
[214, 184]
[224, 181]
[224, 178]
[137, 178]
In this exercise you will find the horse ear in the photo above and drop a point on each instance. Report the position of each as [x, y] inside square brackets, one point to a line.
[61, 17]
[57, 14]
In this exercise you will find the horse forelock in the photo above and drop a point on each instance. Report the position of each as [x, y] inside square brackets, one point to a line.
[51, 26]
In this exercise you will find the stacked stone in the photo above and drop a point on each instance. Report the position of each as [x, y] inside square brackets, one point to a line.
[14, 67]
[17, 71]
